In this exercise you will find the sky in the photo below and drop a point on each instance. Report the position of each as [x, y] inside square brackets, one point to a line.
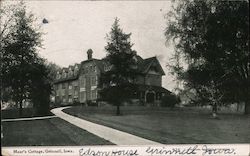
[75, 26]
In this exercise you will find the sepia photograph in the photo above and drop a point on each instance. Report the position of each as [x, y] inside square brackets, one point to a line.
[105, 73]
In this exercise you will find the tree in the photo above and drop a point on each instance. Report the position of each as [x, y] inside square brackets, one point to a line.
[41, 87]
[120, 58]
[212, 38]
[51, 71]
[21, 65]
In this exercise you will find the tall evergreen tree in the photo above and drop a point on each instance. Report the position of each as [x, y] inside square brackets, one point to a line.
[120, 59]
[20, 63]
[212, 38]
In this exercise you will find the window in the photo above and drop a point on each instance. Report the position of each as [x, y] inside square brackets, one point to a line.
[70, 99]
[90, 68]
[82, 96]
[82, 82]
[63, 99]
[87, 69]
[105, 67]
[75, 91]
[63, 86]
[93, 94]
[57, 92]
[93, 81]
[63, 92]
[70, 85]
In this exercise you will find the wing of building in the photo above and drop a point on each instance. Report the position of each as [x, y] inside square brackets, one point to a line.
[79, 82]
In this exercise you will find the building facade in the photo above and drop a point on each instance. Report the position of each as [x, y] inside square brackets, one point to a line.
[79, 83]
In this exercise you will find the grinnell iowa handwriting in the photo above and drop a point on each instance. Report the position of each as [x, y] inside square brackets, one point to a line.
[172, 151]
[160, 151]
[192, 150]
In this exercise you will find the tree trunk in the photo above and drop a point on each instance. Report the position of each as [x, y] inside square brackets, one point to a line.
[118, 112]
[20, 109]
[215, 110]
[247, 107]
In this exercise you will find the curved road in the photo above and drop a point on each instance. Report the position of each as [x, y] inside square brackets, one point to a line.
[115, 136]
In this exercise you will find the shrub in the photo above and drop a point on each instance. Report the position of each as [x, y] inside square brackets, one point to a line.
[170, 100]
[76, 102]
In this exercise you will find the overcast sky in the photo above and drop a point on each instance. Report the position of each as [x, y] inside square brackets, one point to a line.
[75, 26]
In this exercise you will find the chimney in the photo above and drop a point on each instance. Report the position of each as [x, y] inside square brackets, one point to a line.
[90, 52]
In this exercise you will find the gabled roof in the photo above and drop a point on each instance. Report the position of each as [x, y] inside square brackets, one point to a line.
[99, 63]
[145, 65]
[72, 77]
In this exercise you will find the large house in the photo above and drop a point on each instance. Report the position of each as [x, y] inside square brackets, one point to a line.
[79, 82]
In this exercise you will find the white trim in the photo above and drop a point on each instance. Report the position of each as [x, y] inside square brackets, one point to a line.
[82, 89]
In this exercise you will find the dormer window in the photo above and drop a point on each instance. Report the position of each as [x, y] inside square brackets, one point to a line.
[58, 75]
[64, 74]
[70, 72]
[76, 70]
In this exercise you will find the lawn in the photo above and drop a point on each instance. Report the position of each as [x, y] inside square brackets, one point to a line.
[168, 126]
[14, 113]
[47, 132]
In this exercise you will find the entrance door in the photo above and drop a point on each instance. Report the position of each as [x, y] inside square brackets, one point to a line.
[150, 97]
[82, 97]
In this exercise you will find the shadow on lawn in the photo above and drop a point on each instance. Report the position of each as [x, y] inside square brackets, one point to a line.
[27, 112]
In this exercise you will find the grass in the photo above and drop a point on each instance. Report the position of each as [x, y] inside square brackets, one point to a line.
[180, 126]
[47, 132]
